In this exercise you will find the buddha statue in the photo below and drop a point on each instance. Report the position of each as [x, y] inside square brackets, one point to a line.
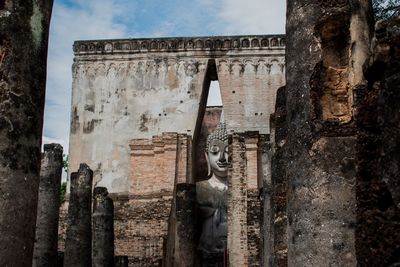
[212, 198]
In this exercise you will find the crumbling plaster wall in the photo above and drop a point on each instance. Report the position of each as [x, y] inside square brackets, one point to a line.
[115, 100]
[126, 89]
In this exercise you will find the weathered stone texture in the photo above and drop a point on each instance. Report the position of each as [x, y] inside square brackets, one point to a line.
[181, 246]
[253, 223]
[24, 29]
[237, 197]
[45, 249]
[248, 87]
[62, 225]
[102, 229]
[126, 89]
[266, 152]
[78, 243]
[278, 221]
[378, 118]
[325, 58]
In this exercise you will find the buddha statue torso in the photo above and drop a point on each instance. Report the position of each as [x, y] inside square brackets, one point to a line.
[212, 196]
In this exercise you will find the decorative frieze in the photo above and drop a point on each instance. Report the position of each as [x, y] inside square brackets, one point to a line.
[263, 65]
[137, 67]
[179, 44]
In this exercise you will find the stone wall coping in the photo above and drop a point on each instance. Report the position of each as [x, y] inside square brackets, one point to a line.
[179, 44]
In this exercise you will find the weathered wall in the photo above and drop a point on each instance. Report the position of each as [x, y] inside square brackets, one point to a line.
[378, 152]
[115, 100]
[142, 216]
[153, 92]
[248, 87]
[325, 58]
[125, 89]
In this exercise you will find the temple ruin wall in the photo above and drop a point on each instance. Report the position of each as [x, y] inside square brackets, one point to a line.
[126, 89]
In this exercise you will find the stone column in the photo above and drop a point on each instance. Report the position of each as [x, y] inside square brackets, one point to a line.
[327, 47]
[103, 228]
[185, 229]
[279, 184]
[237, 202]
[45, 249]
[78, 243]
[24, 29]
[266, 232]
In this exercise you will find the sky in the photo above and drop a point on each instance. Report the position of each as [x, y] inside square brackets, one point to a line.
[109, 19]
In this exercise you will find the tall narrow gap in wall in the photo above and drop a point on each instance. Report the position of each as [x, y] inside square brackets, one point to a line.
[208, 118]
[214, 95]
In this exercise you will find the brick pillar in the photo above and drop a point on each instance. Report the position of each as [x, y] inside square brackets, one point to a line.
[102, 228]
[78, 243]
[253, 203]
[237, 202]
[45, 249]
[244, 205]
[327, 48]
[24, 29]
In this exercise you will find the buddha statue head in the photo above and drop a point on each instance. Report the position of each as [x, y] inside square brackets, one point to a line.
[217, 152]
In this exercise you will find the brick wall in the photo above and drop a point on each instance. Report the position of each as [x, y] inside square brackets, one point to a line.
[141, 225]
[142, 219]
[244, 206]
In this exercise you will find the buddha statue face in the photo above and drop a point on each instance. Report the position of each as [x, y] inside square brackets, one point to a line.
[217, 152]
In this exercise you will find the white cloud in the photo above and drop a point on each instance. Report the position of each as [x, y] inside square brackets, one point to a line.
[252, 16]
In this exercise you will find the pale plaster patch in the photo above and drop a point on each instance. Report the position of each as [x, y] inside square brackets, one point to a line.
[36, 25]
